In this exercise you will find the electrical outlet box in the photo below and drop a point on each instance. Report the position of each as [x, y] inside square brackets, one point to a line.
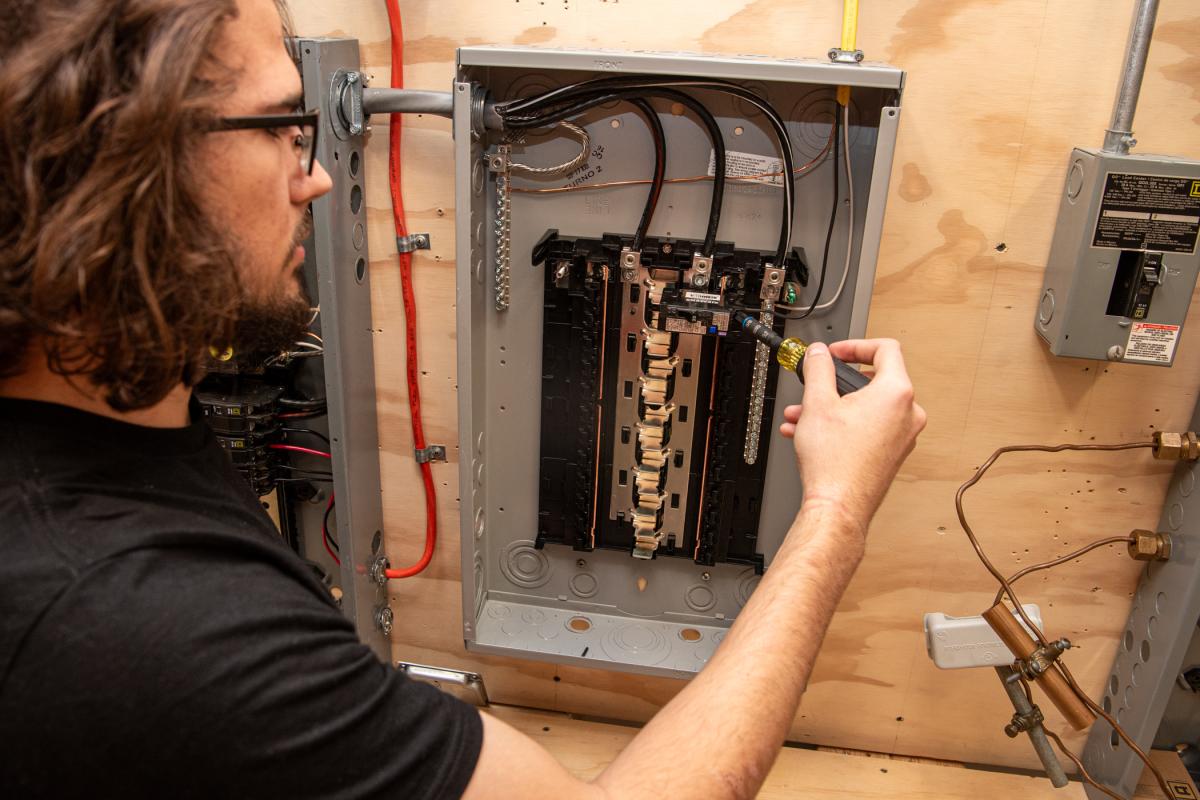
[1124, 260]
[554, 362]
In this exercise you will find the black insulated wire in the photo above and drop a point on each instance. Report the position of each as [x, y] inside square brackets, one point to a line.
[706, 118]
[660, 168]
[302, 404]
[565, 93]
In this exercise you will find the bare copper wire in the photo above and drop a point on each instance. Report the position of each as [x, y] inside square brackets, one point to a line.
[1083, 773]
[1007, 589]
[1063, 559]
[798, 172]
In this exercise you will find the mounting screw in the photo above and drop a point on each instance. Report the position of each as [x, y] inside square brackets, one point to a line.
[1116, 352]
[667, 248]
[378, 571]
[704, 576]
[581, 563]
[700, 281]
[384, 617]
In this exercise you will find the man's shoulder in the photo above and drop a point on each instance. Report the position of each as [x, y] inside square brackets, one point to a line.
[168, 619]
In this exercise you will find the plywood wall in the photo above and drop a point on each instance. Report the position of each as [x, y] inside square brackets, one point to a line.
[998, 92]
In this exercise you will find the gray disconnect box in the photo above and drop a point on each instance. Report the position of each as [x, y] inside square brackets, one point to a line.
[1123, 262]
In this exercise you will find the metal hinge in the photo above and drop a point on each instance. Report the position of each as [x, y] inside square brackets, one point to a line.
[434, 452]
[414, 241]
[443, 678]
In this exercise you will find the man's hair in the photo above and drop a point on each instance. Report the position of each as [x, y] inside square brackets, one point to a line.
[106, 259]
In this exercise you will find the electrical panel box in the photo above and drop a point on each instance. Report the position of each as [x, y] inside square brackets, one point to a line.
[624, 484]
[1123, 261]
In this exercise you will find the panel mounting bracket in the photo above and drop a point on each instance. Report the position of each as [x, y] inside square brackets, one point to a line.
[442, 677]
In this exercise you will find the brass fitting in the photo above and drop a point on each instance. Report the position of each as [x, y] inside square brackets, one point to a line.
[1170, 446]
[1041, 659]
[1150, 546]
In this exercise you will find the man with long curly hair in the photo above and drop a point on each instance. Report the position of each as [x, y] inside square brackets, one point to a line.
[156, 637]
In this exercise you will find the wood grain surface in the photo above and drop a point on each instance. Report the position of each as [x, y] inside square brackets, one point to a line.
[998, 91]
[585, 748]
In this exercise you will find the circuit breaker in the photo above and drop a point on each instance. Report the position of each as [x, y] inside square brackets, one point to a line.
[624, 484]
[1123, 261]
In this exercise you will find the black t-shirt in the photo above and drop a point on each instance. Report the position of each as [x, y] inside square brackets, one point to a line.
[158, 639]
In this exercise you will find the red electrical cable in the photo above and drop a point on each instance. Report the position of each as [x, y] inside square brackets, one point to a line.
[325, 533]
[295, 448]
[410, 305]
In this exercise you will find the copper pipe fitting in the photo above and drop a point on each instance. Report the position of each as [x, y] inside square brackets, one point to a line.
[1023, 646]
[1169, 446]
[1150, 546]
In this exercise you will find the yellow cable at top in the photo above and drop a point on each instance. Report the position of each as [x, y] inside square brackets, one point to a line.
[849, 24]
[849, 38]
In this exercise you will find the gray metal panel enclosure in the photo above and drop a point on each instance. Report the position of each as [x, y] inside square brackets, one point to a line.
[519, 600]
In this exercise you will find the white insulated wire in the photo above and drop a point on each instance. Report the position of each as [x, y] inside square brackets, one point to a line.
[849, 228]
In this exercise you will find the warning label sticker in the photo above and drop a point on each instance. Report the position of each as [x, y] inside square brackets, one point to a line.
[1149, 341]
[754, 168]
[1149, 212]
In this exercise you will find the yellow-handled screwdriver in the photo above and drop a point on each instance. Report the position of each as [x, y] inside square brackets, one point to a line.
[790, 354]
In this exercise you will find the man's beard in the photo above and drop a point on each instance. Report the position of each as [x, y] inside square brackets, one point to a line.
[267, 327]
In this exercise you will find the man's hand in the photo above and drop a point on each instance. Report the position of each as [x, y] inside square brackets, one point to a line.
[850, 448]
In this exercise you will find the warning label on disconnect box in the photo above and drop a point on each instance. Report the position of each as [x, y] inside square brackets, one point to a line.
[1152, 342]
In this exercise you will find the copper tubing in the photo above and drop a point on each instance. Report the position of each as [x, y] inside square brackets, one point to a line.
[1022, 645]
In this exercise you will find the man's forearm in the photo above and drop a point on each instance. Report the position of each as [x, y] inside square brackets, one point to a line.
[726, 727]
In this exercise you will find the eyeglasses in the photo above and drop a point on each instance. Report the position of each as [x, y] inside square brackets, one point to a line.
[305, 142]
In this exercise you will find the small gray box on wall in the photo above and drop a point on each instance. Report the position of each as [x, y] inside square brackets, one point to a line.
[1124, 259]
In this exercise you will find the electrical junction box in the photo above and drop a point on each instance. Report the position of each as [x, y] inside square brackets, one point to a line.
[1123, 261]
[623, 482]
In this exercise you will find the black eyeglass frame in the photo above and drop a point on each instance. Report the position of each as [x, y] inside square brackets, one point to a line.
[302, 120]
